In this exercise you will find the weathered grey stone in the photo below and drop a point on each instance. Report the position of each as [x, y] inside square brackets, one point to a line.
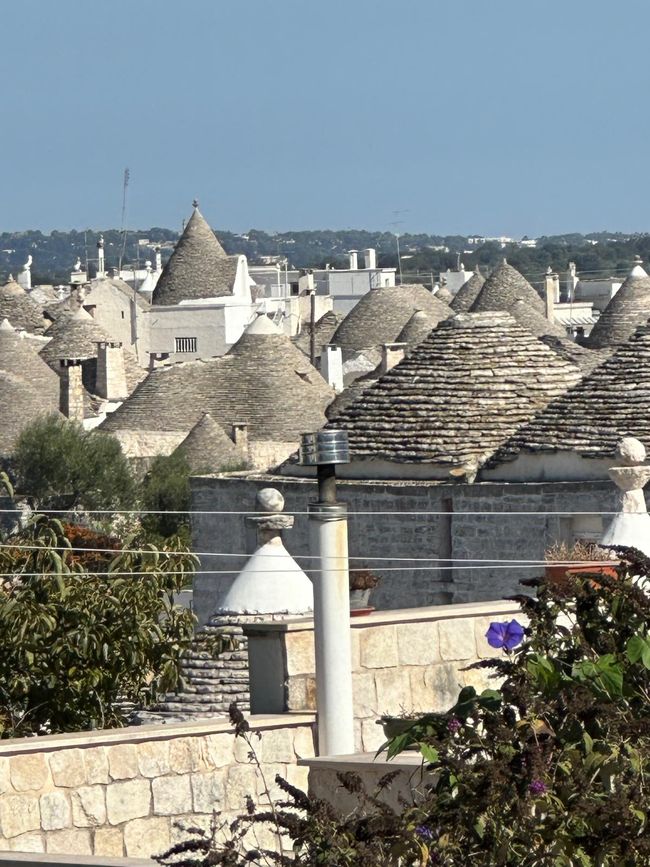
[208, 791]
[457, 638]
[67, 768]
[444, 683]
[88, 807]
[109, 841]
[171, 795]
[418, 643]
[145, 838]
[73, 841]
[19, 814]
[379, 647]
[96, 764]
[153, 758]
[128, 800]
[28, 772]
[55, 811]
[122, 761]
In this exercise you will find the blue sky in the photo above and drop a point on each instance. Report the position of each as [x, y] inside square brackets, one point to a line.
[465, 116]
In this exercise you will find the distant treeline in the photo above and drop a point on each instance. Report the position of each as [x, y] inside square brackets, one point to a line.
[596, 254]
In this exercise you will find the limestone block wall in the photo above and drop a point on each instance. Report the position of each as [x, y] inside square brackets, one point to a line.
[130, 792]
[402, 661]
[382, 524]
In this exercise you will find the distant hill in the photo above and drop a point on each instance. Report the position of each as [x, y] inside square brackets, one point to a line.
[596, 254]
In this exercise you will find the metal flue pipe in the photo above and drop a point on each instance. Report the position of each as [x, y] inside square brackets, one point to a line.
[329, 543]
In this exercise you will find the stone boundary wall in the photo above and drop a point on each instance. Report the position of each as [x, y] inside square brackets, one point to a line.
[122, 792]
[389, 529]
[402, 661]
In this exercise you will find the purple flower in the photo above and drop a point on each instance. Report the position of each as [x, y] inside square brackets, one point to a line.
[505, 635]
[424, 832]
[454, 725]
[537, 787]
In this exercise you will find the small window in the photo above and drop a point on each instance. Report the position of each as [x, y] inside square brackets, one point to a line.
[122, 314]
[185, 344]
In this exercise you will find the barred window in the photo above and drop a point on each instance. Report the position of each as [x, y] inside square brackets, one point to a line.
[185, 344]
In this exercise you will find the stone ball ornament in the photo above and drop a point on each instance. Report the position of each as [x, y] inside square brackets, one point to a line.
[630, 451]
[270, 499]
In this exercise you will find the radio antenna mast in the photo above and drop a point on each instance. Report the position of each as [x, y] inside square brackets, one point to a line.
[125, 185]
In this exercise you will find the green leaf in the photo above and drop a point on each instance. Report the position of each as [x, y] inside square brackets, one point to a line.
[429, 753]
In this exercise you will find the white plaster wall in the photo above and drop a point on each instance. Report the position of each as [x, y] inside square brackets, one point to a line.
[206, 323]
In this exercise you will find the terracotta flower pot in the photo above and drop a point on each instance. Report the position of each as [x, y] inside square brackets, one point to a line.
[560, 576]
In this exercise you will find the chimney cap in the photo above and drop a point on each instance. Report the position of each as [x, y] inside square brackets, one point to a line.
[328, 446]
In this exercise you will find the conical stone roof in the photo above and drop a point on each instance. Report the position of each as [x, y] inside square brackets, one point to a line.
[461, 393]
[264, 381]
[443, 294]
[468, 292]
[18, 357]
[198, 267]
[416, 329]
[628, 309]
[381, 313]
[20, 405]
[611, 402]
[74, 335]
[508, 290]
[323, 331]
[208, 448]
[23, 313]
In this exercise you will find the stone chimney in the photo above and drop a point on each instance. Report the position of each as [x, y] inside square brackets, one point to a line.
[551, 293]
[240, 436]
[331, 367]
[391, 354]
[158, 259]
[369, 258]
[111, 376]
[354, 261]
[71, 390]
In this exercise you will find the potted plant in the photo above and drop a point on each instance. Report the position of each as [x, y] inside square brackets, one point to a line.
[582, 558]
[362, 582]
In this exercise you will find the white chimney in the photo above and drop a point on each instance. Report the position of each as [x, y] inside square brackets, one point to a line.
[391, 354]
[354, 262]
[369, 258]
[240, 437]
[158, 259]
[101, 268]
[111, 376]
[331, 367]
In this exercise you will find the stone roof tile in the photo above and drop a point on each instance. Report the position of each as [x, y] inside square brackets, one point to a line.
[464, 390]
[23, 313]
[379, 316]
[628, 309]
[198, 267]
[208, 448]
[468, 292]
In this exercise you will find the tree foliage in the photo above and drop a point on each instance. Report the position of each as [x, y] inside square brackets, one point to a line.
[550, 769]
[62, 466]
[75, 645]
[166, 489]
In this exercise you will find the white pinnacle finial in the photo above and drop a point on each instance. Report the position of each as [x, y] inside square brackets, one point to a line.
[631, 525]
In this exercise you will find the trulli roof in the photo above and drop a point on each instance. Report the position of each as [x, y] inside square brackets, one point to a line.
[208, 449]
[508, 290]
[611, 402]
[23, 313]
[20, 357]
[264, 380]
[381, 313]
[20, 404]
[465, 389]
[198, 267]
[628, 309]
[468, 292]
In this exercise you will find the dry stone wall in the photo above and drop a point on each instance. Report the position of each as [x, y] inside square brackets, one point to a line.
[133, 792]
[442, 528]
